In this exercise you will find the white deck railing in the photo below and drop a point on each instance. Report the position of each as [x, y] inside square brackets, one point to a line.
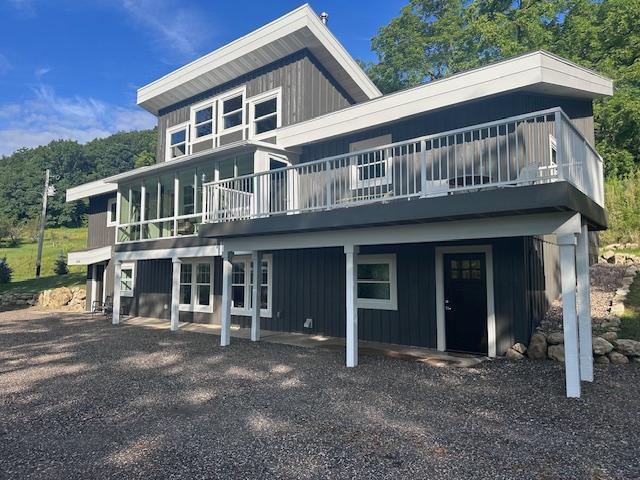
[535, 148]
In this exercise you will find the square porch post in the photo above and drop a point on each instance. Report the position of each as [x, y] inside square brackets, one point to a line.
[175, 293]
[227, 269]
[584, 306]
[115, 315]
[569, 313]
[351, 254]
[256, 258]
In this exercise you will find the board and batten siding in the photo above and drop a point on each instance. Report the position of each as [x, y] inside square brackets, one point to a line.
[469, 114]
[308, 91]
[99, 234]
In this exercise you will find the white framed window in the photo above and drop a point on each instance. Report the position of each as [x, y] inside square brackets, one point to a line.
[265, 112]
[177, 141]
[112, 212]
[377, 282]
[127, 279]
[231, 117]
[196, 285]
[242, 286]
[202, 121]
[373, 168]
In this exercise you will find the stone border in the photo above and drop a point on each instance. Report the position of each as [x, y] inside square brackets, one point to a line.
[607, 348]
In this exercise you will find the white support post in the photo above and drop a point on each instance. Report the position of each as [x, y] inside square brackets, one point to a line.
[175, 294]
[115, 315]
[256, 258]
[227, 268]
[584, 306]
[351, 254]
[569, 313]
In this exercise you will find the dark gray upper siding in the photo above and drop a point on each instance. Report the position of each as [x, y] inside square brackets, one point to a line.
[473, 113]
[308, 91]
[99, 235]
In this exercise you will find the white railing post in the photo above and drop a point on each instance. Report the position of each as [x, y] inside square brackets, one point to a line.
[257, 196]
[329, 203]
[560, 145]
[423, 168]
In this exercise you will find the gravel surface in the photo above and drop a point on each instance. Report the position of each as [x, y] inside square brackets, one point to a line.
[80, 398]
[605, 278]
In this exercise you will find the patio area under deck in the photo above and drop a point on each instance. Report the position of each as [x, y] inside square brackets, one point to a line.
[570, 230]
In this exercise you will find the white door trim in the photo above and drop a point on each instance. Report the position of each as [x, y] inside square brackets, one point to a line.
[440, 317]
[94, 286]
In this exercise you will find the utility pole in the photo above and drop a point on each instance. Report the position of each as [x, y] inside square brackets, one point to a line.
[43, 222]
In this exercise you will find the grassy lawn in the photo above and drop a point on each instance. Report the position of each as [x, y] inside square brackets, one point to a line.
[629, 251]
[630, 327]
[22, 259]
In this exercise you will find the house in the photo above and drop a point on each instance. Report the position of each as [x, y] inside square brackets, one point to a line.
[289, 194]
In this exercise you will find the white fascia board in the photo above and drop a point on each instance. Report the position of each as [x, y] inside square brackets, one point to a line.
[179, 252]
[474, 229]
[527, 71]
[89, 257]
[298, 19]
[90, 189]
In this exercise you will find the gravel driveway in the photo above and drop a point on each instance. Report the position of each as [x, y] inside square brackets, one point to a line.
[82, 399]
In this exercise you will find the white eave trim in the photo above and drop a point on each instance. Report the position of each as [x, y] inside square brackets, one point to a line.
[294, 21]
[539, 71]
[89, 257]
[178, 252]
[90, 189]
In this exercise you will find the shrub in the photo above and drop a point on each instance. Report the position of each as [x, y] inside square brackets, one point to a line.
[5, 271]
[61, 267]
[622, 198]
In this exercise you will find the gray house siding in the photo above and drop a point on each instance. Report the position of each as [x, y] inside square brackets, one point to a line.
[308, 91]
[487, 110]
[99, 235]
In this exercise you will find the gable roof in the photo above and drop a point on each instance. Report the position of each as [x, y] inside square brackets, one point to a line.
[298, 29]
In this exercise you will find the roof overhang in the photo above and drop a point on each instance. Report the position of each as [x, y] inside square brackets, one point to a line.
[91, 189]
[297, 30]
[539, 72]
[89, 257]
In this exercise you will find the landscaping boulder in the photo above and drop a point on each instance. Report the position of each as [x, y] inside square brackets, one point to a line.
[556, 352]
[609, 256]
[602, 359]
[630, 348]
[537, 346]
[601, 346]
[610, 337]
[617, 358]
[555, 338]
[516, 352]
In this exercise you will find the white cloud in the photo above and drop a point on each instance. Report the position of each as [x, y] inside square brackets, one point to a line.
[25, 7]
[176, 27]
[47, 116]
[42, 71]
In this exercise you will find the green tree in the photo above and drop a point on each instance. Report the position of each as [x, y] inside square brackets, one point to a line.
[432, 39]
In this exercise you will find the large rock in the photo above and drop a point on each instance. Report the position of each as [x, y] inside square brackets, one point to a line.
[630, 348]
[537, 347]
[603, 359]
[513, 354]
[555, 338]
[610, 337]
[617, 358]
[609, 256]
[601, 346]
[556, 352]
[617, 308]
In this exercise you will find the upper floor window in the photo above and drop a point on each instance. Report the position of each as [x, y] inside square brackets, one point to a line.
[232, 110]
[112, 210]
[265, 112]
[203, 121]
[177, 138]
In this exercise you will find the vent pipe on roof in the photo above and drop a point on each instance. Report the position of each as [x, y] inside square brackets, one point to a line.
[324, 16]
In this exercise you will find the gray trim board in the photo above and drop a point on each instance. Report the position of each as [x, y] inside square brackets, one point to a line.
[558, 196]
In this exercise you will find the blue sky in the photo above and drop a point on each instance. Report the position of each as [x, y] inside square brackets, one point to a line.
[71, 68]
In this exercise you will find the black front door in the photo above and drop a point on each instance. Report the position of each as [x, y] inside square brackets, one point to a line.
[465, 302]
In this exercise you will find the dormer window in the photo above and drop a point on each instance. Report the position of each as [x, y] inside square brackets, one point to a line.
[265, 112]
[177, 141]
[232, 111]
